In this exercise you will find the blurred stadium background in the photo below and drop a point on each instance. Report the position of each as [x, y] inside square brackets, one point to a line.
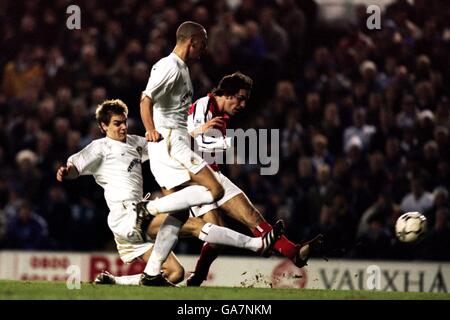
[363, 114]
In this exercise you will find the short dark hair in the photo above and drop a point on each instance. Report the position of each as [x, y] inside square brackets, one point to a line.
[188, 29]
[232, 83]
[107, 109]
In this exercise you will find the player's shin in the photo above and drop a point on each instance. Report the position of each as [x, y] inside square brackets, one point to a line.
[207, 256]
[165, 240]
[224, 236]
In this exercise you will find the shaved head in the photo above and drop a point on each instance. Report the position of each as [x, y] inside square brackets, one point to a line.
[189, 29]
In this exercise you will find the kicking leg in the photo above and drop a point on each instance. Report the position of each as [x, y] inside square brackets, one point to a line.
[202, 189]
[241, 209]
[213, 234]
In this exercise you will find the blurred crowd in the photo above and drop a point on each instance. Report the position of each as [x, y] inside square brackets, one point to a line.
[364, 115]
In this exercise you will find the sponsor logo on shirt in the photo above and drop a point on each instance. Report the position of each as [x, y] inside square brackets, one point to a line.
[186, 98]
[134, 162]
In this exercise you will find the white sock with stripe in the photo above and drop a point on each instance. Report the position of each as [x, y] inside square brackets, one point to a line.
[220, 235]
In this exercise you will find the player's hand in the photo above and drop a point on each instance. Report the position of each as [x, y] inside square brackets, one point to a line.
[62, 173]
[153, 136]
[217, 122]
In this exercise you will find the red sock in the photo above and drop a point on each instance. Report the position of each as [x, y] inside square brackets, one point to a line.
[261, 229]
[284, 246]
[207, 257]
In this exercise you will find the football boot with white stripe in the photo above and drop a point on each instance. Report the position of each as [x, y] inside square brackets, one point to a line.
[269, 238]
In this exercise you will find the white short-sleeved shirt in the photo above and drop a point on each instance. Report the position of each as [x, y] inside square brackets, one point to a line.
[171, 91]
[116, 167]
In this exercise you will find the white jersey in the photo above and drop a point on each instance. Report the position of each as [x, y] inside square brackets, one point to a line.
[116, 167]
[170, 89]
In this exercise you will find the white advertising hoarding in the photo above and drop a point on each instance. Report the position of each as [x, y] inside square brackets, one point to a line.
[243, 271]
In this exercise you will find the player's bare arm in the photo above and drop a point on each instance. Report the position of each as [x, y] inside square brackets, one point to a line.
[146, 107]
[67, 173]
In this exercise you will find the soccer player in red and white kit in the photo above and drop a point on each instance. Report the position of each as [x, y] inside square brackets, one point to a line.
[207, 123]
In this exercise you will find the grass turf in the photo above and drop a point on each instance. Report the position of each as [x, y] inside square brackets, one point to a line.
[45, 290]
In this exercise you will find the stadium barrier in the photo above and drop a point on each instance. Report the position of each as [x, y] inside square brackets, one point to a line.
[242, 271]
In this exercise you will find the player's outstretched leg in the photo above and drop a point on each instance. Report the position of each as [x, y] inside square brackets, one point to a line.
[305, 250]
[209, 254]
[241, 209]
[269, 239]
[283, 246]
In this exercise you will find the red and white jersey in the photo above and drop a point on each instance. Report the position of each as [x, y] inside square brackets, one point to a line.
[214, 140]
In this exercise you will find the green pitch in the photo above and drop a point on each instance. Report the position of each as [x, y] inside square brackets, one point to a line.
[43, 290]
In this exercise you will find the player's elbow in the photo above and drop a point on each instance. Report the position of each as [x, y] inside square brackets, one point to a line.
[145, 102]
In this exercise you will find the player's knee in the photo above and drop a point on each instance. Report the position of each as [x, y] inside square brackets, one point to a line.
[198, 226]
[217, 192]
[176, 275]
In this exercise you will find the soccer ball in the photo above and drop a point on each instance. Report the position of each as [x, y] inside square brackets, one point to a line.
[411, 227]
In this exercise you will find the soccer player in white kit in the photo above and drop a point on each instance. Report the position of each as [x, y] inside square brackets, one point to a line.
[184, 176]
[115, 162]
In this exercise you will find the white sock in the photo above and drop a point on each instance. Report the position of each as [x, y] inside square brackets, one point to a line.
[182, 199]
[220, 235]
[165, 241]
[132, 280]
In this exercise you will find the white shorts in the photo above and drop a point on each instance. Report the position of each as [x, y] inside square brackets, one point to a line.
[172, 159]
[230, 191]
[129, 242]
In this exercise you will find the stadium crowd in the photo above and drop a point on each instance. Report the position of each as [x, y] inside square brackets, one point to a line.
[364, 115]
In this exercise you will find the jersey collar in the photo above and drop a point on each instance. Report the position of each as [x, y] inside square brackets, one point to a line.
[176, 57]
